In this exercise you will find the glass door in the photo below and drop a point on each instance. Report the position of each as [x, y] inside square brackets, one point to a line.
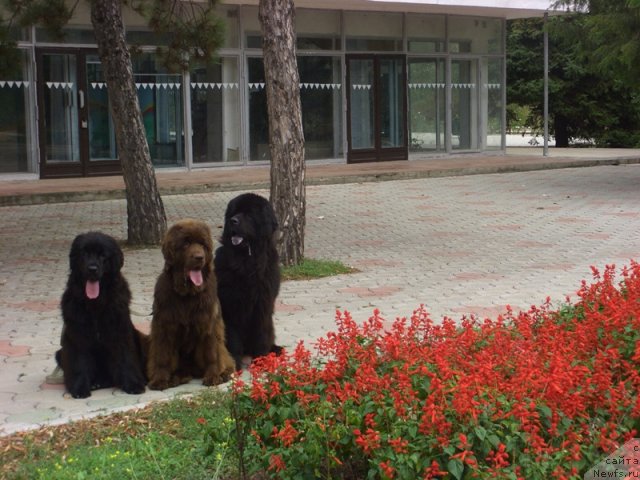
[60, 110]
[361, 104]
[427, 105]
[376, 108]
[71, 117]
[464, 104]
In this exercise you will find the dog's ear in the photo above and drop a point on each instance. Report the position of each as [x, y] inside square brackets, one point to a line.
[76, 251]
[113, 252]
[206, 236]
[168, 247]
[117, 260]
[269, 214]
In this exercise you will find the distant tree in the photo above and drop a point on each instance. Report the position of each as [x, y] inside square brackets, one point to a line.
[286, 138]
[584, 103]
[613, 40]
[196, 33]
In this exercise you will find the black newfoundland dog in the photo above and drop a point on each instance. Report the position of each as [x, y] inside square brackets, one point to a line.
[248, 272]
[100, 346]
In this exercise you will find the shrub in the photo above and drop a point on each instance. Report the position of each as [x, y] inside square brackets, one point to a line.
[532, 395]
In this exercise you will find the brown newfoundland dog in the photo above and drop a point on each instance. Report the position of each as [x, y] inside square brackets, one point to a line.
[100, 346]
[187, 337]
[248, 271]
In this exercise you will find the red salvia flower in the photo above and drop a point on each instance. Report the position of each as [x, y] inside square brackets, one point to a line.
[566, 381]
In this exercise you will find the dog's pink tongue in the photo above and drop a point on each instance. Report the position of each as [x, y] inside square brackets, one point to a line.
[196, 277]
[92, 289]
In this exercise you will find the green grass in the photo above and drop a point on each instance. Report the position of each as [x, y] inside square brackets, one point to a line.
[310, 269]
[164, 440]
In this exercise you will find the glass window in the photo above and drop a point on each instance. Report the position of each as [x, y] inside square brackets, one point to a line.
[60, 110]
[147, 37]
[102, 140]
[254, 41]
[251, 26]
[258, 117]
[426, 33]
[215, 112]
[426, 104]
[321, 101]
[14, 96]
[362, 103]
[492, 98]
[370, 31]
[317, 30]
[71, 36]
[142, 35]
[475, 35]
[464, 104]
[160, 96]
[17, 34]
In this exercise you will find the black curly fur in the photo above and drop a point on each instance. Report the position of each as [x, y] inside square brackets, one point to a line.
[100, 346]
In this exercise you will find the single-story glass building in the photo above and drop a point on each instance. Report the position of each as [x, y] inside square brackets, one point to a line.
[379, 80]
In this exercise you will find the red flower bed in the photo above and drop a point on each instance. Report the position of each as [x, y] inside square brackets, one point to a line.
[532, 395]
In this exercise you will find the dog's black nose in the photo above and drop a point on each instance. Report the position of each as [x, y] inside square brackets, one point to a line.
[234, 221]
[199, 258]
[92, 268]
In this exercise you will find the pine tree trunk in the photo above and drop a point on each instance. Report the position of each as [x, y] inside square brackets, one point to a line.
[146, 219]
[286, 138]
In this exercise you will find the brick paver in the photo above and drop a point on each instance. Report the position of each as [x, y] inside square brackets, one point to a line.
[459, 245]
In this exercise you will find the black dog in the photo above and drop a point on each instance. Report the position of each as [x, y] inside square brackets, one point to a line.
[248, 271]
[100, 346]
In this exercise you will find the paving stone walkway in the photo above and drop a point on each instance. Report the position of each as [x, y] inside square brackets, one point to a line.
[459, 245]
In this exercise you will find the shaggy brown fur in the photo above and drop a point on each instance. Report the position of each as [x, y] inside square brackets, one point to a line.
[187, 332]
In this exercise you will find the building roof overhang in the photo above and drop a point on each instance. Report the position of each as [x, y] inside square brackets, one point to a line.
[508, 9]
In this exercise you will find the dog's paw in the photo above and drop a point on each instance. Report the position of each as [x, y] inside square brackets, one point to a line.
[133, 388]
[158, 384]
[179, 380]
[212, 380]
[80, 388]
[81, 393]
[226, 375]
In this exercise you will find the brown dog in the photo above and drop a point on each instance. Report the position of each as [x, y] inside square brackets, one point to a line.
[187, 332]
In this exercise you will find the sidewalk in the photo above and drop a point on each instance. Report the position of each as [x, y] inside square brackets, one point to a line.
[27, 189]
[464, 244]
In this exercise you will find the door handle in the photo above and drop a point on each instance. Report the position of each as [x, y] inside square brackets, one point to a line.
[81, 97]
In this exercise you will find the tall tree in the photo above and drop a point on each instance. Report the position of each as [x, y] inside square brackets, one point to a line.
[286, 138]
[613, 40]
[147, 221]
[196, 34]
[584, 102]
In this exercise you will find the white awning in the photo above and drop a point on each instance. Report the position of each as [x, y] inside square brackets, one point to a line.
[509, 9]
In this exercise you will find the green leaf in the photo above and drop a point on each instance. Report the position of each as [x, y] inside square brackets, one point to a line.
[456, 468]
[546, 411]
[494, 440]
[480, 432]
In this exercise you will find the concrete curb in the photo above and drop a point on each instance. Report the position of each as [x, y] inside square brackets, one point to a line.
[318, 179]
